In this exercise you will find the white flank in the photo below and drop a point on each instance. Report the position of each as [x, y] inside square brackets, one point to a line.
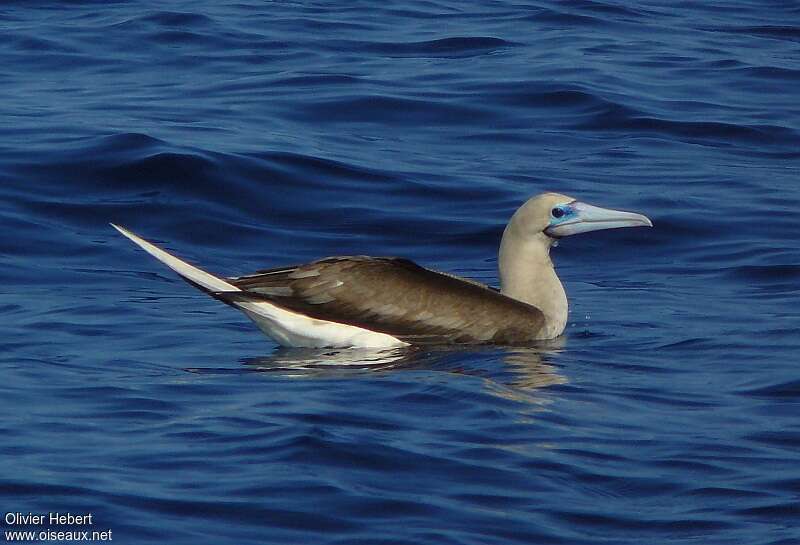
[285, 327]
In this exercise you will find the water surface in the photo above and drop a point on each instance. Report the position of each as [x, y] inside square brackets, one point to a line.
[251, 135]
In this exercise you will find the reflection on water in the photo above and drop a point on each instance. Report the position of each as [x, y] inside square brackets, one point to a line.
[321, 359]
[530, 366]
[526, 368]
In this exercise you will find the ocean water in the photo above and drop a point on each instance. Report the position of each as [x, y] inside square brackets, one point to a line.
[246, 135]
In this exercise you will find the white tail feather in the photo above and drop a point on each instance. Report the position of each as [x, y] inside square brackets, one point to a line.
[198, 276]
[283, 326]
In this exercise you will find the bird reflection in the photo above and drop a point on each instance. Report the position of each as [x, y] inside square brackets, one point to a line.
[521, 367]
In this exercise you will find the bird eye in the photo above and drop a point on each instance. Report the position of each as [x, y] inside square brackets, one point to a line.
[557, 212]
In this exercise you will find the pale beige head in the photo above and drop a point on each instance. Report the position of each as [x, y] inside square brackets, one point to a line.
[556, 215]
[533, 218]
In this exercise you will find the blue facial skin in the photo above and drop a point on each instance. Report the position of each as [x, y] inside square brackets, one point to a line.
[561, 213]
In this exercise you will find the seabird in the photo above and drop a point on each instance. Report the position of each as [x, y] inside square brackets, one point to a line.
[375, 302]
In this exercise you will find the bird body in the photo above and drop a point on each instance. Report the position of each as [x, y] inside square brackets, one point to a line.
[387, 301]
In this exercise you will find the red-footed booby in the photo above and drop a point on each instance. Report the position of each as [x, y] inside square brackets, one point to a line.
[361, 301]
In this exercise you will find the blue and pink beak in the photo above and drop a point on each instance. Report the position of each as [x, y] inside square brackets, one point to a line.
[577, 217]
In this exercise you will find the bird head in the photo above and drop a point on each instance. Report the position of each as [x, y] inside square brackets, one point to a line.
[558, 216]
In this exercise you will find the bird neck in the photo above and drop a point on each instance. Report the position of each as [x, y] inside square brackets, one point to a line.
[527, 274]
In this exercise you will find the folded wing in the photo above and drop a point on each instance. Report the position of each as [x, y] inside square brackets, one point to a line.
[394, 296]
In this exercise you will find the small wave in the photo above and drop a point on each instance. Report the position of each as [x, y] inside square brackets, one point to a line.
[177, 168]
[546, 99]
[312, 80]
[765, 272]
[182, 37]
[783, 32]
[553, 19]
[710, 132]
[723, 493]
[240, 512]
[165, 19]
[789, 389]
[444, 47]
[606, 8]
[24, 42]
[642, 525]
[770, 73]
[177, 18]
[780, 511]
[386, 109]
[302, 164]
[125, 142]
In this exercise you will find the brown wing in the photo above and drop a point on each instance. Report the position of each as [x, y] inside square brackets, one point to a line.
[397, 297]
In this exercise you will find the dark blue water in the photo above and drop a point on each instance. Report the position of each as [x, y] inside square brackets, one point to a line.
[252, 135]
